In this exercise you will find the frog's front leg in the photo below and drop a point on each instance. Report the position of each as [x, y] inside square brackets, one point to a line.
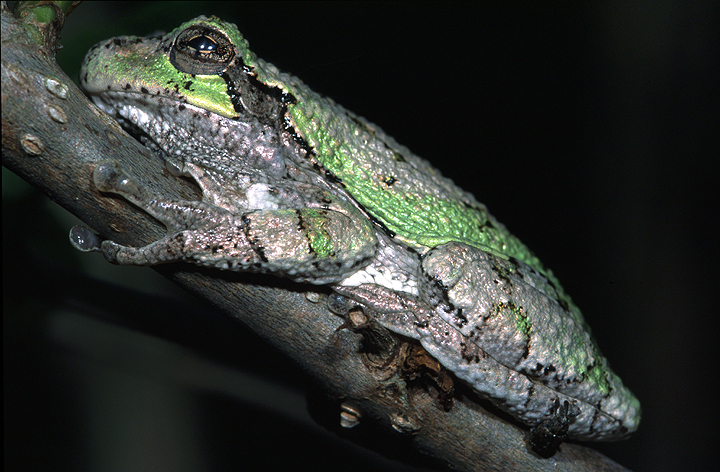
[318, 243]
[190, 224]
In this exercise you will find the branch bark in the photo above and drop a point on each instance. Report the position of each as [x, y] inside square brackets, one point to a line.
[53, 137]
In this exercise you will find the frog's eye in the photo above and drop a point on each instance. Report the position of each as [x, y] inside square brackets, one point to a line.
[200, 50]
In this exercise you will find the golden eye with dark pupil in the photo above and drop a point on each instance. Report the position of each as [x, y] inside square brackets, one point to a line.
[199, 50]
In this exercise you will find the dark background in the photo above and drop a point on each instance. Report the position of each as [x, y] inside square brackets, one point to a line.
[588, 130]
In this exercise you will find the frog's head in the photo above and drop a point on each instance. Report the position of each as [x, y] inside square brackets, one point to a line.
[194, 88]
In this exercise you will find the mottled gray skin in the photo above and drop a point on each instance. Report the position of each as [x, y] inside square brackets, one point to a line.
[498, 325]
[269, 206]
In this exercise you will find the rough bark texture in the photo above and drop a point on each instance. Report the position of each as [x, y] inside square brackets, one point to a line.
[53, 137]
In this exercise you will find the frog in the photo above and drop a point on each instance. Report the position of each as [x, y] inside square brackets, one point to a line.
[296, 186]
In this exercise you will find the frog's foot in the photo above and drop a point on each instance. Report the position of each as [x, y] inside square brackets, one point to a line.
[176, 215]
[546, 437]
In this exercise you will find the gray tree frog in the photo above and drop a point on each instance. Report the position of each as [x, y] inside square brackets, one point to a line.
[295, 185]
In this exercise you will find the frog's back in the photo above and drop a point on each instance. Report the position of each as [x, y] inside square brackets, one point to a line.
[401, 190]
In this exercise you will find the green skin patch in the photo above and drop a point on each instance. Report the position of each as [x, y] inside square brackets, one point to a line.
[320, 240]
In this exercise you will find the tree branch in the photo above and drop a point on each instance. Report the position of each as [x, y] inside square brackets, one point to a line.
[53, 137]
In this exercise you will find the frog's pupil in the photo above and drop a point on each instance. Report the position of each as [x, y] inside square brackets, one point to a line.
[203, 45]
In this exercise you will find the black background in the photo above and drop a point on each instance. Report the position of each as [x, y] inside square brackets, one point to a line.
[588, 130]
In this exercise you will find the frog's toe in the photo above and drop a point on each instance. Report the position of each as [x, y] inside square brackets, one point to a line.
[84, 240]
[109, 176]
